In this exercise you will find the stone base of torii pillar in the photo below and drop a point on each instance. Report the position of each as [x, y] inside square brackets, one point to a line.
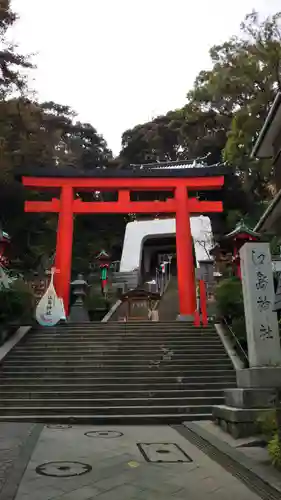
[257, 386]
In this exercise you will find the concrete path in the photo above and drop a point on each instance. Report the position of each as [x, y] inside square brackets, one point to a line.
[16, 445]
[84, 463]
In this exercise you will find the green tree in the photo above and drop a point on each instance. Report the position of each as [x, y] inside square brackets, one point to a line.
[241, 86]
[12, 63]
[225, 110]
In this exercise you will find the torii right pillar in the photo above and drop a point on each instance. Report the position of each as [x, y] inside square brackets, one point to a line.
[185, 261]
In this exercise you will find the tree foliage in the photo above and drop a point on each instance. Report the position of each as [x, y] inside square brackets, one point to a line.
[224, 112]
[43, 135]
[219, 121]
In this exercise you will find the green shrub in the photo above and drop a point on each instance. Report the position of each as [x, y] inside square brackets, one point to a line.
[95, 299]
[267, 423]
[238, 325]
[229, 298]
[16, 303]
[268, 426]
[230, 305]
[274, 450]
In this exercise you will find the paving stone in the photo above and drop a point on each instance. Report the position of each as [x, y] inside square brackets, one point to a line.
[112, 482]
[13, 439]
[85, 493]
[124, 492]
[120, 472]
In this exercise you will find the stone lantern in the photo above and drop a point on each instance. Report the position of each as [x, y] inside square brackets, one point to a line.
[78, 312]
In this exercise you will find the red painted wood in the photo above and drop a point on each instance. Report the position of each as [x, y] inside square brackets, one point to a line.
[42, 206]
[185, 264]
[124, 196]
[180, 205]
[149, 184]
[64, 246]
[124, 206]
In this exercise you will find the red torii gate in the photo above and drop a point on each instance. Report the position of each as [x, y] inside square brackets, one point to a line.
[109, 180]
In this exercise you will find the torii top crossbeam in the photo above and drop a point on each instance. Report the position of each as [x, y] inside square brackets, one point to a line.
[178, 181]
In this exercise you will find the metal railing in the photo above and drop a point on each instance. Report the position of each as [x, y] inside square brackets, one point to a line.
[163, 278]
[237, 344]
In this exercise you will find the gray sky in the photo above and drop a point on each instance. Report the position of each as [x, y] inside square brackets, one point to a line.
[122, 62]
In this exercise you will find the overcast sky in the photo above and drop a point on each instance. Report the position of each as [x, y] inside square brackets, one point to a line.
[122, 62]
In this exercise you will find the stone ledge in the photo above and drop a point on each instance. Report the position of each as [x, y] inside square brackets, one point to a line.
[261, 377]
[238, 422]
[249, 398]
[13, 340]
[238, 415]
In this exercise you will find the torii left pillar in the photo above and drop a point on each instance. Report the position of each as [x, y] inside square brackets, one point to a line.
[64, 246]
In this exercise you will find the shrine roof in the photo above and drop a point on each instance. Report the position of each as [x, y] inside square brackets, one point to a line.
[103, 255]
[151, 170]
[4, 236]
[241, 228]
[224, 242]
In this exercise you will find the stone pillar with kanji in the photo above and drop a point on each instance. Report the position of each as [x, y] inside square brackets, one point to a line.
[259, 298]
[260, 382]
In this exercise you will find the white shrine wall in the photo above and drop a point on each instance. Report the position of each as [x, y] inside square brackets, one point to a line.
[138, 232]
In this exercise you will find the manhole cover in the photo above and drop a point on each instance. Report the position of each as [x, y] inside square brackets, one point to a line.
[104, 434]
[163, 452]
[63, 469]
[60, 427]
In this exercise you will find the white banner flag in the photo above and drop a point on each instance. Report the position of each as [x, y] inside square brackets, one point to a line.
[50, 309]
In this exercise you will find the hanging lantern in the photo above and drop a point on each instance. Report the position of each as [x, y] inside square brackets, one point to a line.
[4, 245]
[104, 262]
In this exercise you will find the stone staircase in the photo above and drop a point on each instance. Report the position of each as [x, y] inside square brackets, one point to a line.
[115, 372]
[169, 303]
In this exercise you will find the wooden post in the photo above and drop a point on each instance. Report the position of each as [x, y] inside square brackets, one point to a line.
[64, 246]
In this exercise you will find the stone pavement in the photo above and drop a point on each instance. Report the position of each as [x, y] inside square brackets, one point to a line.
[68, 464]
[14, 442]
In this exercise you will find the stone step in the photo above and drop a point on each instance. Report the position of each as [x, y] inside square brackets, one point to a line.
[121, 352]
[148, 419]
[80, 364]
[124, 327]
[19, 393]
[99, 371]
[121, 343]
[82, 344]
[134, 325]
[92, 359]
[144, 332]
[201, 357]
[97, 385]
[115, 402]
[130, 351]
[147, 329]
[79, 370]
[127, 325]
[87, 380]
[139, 372]
[105, 410]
